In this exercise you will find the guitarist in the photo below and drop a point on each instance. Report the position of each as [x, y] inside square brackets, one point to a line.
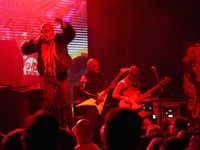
[127, 87]
[92, 83]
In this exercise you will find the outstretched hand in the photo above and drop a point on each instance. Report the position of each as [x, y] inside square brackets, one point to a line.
[58, 20]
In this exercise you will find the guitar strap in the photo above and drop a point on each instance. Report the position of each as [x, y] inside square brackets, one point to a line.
[125, 88]
[131, 83]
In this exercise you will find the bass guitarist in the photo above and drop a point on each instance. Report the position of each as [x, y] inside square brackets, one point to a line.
[126, 88]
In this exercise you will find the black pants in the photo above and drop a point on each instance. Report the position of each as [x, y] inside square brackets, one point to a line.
[97, 121]
[50, 84]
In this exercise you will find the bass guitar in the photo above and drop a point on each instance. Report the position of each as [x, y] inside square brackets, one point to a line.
[137, 97]
[100, 105]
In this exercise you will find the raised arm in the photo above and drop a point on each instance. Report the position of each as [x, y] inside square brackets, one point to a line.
[69, 32]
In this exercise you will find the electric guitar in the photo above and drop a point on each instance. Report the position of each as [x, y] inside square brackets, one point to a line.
[100, 105]
[136, 97]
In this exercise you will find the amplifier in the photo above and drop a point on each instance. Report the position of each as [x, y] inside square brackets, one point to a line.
[170, 110]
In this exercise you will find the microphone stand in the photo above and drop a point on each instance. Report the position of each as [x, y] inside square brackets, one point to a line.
[159, 103]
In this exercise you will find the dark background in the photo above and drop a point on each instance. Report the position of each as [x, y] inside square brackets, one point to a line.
[145, 33]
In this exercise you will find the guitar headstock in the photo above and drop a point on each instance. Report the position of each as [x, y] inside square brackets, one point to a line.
[165, 80]
[123, 70]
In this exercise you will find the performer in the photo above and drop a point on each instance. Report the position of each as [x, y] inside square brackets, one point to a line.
[92, 83]
[53, 63]
[127, 87]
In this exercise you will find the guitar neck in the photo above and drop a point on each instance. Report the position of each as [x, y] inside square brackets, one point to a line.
[163, 82]
[114, 82]
[150, 91]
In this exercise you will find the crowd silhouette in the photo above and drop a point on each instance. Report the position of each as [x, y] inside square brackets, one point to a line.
[122, 130]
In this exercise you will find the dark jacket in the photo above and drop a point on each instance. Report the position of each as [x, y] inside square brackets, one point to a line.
[65, 59]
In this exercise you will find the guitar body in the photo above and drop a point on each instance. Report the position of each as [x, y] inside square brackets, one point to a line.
[92, 102]
[134, 99]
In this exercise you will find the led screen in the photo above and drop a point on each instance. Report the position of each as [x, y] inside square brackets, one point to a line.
[21, 21]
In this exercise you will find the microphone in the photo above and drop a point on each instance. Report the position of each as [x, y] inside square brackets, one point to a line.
[156, 73]
[154, 68]
[43, 37]
[40, 38]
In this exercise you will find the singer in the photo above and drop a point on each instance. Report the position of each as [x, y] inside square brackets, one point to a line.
[127, 88]
[53, 63]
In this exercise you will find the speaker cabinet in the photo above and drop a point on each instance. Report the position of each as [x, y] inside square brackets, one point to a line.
[79, 112]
